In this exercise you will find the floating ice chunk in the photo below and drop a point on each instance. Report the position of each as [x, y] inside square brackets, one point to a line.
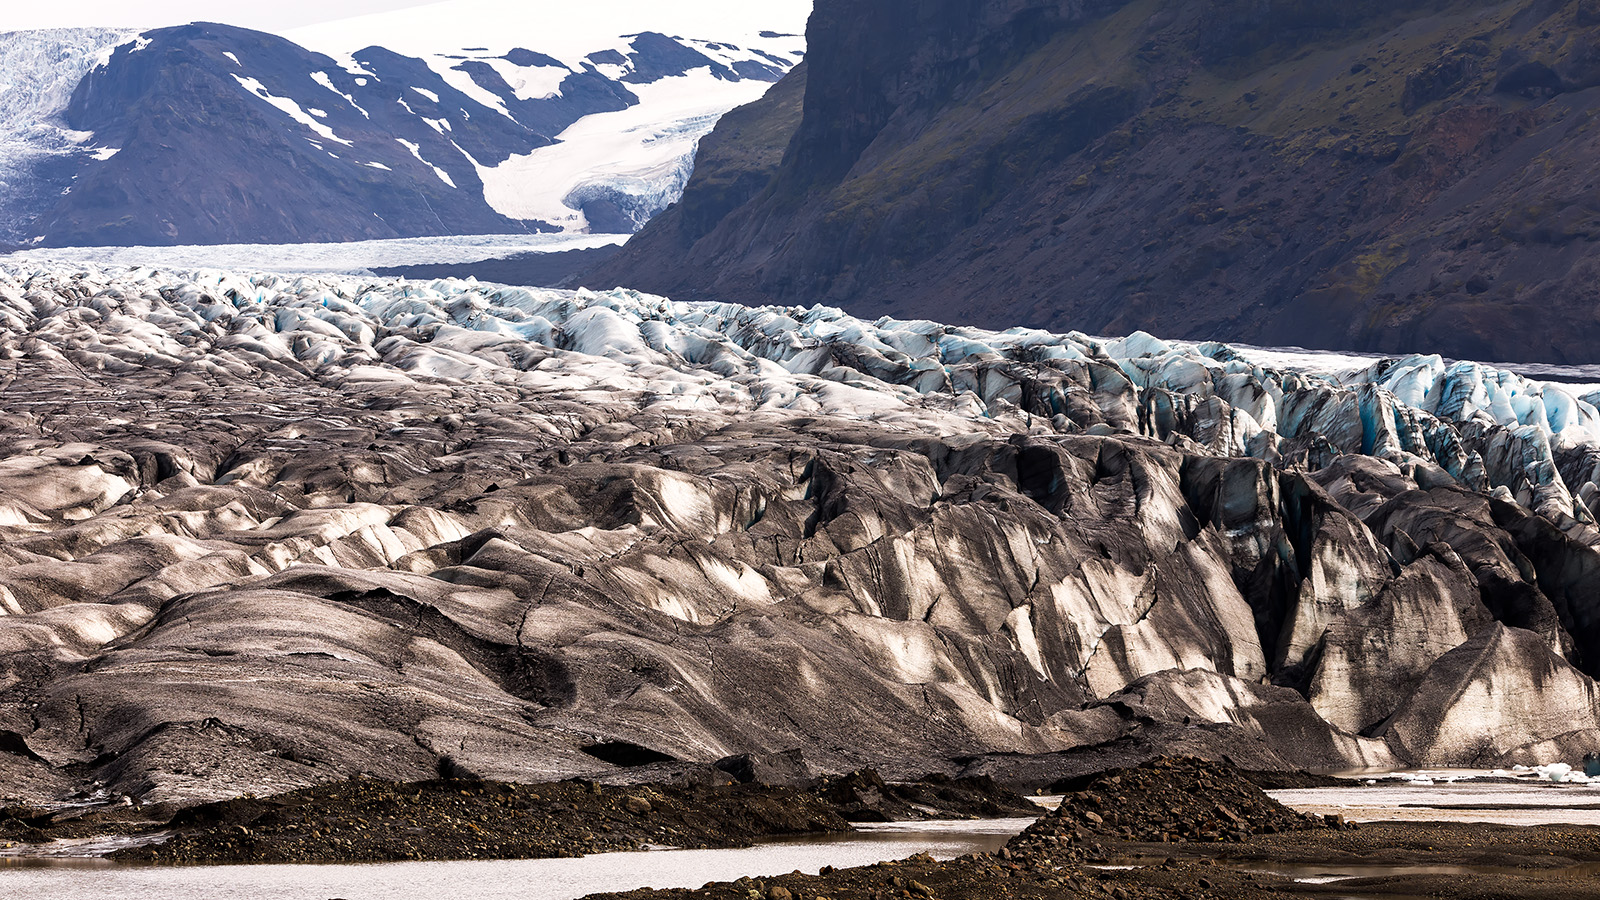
[1557, 772]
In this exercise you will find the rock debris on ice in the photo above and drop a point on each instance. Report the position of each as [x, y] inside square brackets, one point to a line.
[331, 514]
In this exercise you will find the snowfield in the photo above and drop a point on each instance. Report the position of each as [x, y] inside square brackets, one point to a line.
[567, 32]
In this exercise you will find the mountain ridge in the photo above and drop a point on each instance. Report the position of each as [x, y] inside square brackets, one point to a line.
[207, 133]
[1372, 178]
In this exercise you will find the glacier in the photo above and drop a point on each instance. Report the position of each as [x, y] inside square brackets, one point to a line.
[621, 167]
[38, 72]
[328, 514]
[1463, 422]
[346, 258]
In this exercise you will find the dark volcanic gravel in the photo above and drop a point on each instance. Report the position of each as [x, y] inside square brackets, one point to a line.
[1239, 845]
[863, 796]
[1171, 829]
[381, 821]
[1164, 800]
[370, 820]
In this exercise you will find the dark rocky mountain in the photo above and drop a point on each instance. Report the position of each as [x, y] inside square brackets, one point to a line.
[209, 151]
[1386, 176]
[213, 134]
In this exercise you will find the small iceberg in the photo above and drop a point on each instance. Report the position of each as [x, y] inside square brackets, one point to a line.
[1561, 773]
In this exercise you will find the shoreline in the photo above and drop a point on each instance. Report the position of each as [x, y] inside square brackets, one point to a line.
[1165, 830]
[1184, 829]
[369, 820]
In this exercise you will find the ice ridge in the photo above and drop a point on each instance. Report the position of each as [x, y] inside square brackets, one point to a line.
[1533, 443]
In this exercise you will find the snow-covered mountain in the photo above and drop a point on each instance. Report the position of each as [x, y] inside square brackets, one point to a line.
[611, 171]
[453, 118]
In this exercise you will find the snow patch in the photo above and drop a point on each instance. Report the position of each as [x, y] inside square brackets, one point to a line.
[463, 82]
[326, 81]
[416, 150]
[290, 108]
[530, 82]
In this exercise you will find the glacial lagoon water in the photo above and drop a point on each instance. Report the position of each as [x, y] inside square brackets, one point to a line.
[539, 879]
[1453, 795]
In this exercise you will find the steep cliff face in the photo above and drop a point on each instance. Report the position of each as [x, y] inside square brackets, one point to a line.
[733, 164]
[1377, 176]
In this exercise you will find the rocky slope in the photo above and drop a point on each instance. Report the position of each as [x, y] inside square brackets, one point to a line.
[260, 533]
[1397, 177]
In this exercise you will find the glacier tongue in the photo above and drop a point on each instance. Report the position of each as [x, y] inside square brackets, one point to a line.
[38, 72]
[404, 520]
